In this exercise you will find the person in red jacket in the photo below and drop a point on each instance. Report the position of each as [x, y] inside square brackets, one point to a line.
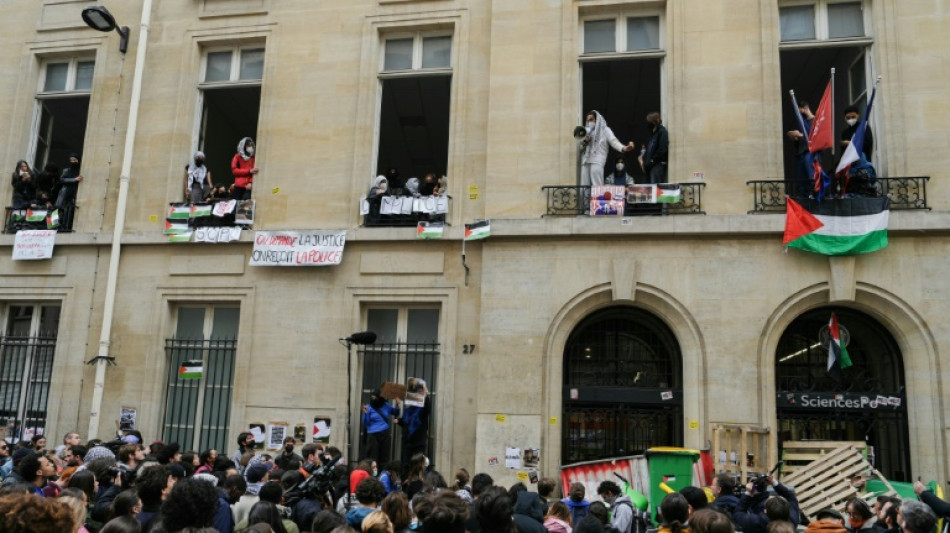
[242, 166]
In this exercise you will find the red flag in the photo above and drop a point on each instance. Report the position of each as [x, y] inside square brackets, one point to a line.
[798, 221]
[821, 136]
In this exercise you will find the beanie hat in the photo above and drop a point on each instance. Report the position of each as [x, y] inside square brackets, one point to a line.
[256, 472]
[355, 477]
[98, 452]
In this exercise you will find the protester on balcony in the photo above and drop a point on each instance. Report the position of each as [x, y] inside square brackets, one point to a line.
[441, 186]
[242, 166]
[655, 154]
[47, 186]
[620, 176]
[24, 184]
[379, 189]
[197, 179]
[69, 182]
[412, 187]
[428, 186]
[803, 173]
[596, 145]
[392, 176]
[861, 175]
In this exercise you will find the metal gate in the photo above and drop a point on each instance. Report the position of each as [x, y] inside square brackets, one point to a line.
[622, 386]
[866, 403]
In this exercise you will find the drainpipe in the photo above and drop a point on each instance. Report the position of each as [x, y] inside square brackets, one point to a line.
[103, 358]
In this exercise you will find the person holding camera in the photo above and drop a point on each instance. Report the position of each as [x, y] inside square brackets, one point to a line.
[765, 500]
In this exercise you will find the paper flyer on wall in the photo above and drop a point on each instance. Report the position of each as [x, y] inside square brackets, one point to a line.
[257, 429]
[513, 458]
[321, 430]
[275, 436]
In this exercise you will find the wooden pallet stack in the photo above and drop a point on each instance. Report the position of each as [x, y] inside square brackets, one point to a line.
[833, 479]
[797, 454]
[742, 450]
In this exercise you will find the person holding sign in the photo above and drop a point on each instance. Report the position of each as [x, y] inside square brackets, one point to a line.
[376, 417]
[415, 420]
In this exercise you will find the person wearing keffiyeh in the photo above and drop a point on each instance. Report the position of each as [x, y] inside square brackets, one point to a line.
[596, 147]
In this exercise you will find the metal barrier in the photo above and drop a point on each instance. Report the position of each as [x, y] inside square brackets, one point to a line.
[905, 193]
[26, 218]
[574, 200]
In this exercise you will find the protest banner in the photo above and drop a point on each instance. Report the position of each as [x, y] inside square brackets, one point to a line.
[607, 200]
[298, 248]
[215, 234]
[224, 208]
[31, 245]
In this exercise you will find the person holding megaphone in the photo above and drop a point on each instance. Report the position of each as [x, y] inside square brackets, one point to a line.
[596, 146]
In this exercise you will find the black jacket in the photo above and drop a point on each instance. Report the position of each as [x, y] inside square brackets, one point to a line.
[658, 148]
[529, 513]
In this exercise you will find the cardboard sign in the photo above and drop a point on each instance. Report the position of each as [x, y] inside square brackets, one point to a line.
[393, 391]
[31, 245]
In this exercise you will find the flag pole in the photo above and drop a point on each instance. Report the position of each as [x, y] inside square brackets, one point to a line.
[832, 112]
[798, 116]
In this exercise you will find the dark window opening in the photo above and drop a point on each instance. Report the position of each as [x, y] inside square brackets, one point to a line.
[61, 129]
[26, 368]
[807, 71]
[877, 371]
[227, 116]
[414, 125]
[622, 386]
[623, 91]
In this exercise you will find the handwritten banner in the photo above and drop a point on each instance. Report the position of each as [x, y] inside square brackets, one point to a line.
[406, 205]
[31, 245]
[217, 234]
[298, 248]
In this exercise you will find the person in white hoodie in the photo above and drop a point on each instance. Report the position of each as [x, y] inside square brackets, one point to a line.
[596, 146]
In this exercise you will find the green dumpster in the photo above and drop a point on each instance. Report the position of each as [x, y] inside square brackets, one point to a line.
[670, 467]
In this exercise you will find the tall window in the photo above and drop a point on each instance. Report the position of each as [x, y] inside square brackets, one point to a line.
[62, 109]
[621, 61]
[26, 366]
[816, 36]
[230, 102]
[415, 82]
[407, 346]
[198, 407]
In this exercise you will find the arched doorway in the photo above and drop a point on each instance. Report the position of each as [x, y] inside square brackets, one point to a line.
[622, 386]
[867, 402]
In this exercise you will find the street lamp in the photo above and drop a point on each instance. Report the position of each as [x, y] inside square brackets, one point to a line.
[99, 18]
[363, 338]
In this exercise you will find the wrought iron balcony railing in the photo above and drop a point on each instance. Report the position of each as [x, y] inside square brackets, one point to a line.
[905, 193]
[574, 200]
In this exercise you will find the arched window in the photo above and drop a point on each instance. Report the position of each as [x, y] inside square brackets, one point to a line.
[864, 402]
[622, 386]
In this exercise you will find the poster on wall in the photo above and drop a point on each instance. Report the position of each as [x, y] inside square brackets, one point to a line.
[298, 248]
[257, 429]
[127, 418]
[275, 435]
[512, 457]
[531, 457]
[321, 430]
[300, 433]
[607, 200]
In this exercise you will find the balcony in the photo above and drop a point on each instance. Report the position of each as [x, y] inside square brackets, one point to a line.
[17, 219]
[403, 211]
[906, 193]
[574, 200]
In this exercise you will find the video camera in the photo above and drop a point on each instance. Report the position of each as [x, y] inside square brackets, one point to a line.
[318, 484]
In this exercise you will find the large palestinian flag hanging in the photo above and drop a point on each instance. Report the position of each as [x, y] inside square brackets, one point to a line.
[845, 226]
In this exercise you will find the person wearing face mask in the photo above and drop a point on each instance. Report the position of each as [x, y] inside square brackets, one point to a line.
[287, 458]
[197, 179]
[620, 175]
[242, 166]
[377, 415]
[656, 151]
[861, 176]
[69, 182]
[596, 146]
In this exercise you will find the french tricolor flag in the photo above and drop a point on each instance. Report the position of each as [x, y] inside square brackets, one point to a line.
[853, 152]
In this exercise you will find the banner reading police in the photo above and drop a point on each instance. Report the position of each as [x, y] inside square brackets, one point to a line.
[298, 248]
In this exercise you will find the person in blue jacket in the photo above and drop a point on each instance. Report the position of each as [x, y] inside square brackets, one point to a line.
[376, 419]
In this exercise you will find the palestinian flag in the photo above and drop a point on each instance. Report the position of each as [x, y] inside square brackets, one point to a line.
[845, 226]
[180, 237]
[178, 212]
[18, 214]
[837, 352]
[430, 230]
[190, 370]
[668, 196]
[203, 210]
[52, 220]
[35, 215]
[477, 230]
[176, 227]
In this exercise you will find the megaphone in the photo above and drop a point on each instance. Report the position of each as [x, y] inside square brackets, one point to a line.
[579, 133]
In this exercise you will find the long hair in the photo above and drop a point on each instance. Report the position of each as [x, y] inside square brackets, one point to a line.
[675, 511]
[267, 513]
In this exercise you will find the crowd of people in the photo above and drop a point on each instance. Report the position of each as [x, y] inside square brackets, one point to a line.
[126, 486]
[391, 184]
[48, 189]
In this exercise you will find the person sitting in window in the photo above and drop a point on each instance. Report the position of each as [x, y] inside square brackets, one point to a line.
[197, 179]
[412, 187]
[47, 186]
[379, 188]
[395, 182]
[24, 184]
[219, 193]
[428, 186]
[242, 166]
[441, 186]
[620, 176]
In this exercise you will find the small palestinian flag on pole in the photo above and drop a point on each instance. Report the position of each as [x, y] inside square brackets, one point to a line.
[668, 196]
[191, 370]
[477, 230]
[52, 220]
[838, 358]
[430, 230]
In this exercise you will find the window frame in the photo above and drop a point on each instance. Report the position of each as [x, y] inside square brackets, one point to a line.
[821, 22]
[72, 62]
[620, 19]
[234, 77]
[418, 38]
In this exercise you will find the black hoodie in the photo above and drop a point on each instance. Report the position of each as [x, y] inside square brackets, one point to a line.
[529, 513]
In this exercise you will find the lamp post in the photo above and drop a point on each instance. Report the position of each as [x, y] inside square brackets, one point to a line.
[99, 18]
[362, 338]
